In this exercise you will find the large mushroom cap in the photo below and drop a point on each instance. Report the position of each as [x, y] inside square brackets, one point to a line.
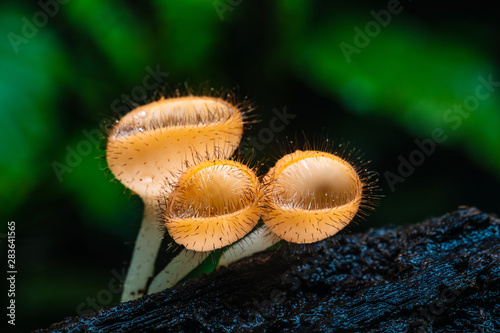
[156, 140]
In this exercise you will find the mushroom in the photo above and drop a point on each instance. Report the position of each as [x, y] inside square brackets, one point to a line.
[312, 195]
[214, 204]
[152, 144]
[309, 195]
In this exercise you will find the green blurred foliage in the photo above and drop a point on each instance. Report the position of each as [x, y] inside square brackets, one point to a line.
[75, 225]
[29, 96]
[116, 32]
[413, 84]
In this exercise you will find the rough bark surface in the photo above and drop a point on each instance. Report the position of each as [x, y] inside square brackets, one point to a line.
[442, 275]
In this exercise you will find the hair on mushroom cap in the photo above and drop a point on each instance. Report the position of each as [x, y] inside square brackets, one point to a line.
[311, 195]
[154, 140]
[152, 144]
[214, 204]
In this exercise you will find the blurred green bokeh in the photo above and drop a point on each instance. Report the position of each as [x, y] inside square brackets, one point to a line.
[61, 78]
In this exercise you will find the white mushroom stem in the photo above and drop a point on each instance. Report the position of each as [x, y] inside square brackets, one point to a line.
[146, 249]
[257, 241]
[178, 268]
[187, 260]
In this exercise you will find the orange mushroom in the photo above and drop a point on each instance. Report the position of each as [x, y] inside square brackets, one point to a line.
[312, 195]
[214, 204]
[151, 145]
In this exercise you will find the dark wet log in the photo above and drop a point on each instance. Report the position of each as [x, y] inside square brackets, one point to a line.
[439, 276]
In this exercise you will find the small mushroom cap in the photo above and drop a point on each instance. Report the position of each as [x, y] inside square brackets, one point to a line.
[215, 204]
[153, 142]
[311, 195]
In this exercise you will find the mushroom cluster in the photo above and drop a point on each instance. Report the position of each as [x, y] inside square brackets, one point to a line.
[175, 153]
[151, 145]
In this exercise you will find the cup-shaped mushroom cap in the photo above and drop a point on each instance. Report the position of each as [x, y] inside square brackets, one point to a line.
[214, 204]
[311, 195]
[156, 140]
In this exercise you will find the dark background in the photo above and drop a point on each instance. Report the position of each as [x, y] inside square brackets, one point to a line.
[75, 230]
